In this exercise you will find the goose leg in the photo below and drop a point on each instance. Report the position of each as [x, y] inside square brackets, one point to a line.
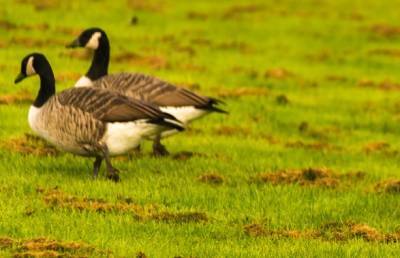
[158, 148]
[135, 152]
[96, 166]
[112, 173]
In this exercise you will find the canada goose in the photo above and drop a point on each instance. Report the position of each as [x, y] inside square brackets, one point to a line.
[185, 105]
[89, 121]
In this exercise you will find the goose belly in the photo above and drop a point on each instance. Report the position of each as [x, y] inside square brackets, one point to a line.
[184, 114]
[122, 137]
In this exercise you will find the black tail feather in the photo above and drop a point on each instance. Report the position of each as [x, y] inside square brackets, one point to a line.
[211, 106]
[168, 121]
[216, 101]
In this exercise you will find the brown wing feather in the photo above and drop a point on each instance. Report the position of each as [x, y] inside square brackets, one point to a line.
[107, 106]
[151, 89]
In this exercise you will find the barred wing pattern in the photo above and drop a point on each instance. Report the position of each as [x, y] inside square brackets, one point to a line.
[107, 106]
[153, 90]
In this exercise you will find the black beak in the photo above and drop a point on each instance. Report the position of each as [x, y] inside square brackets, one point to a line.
[19, 78]
[73, 44]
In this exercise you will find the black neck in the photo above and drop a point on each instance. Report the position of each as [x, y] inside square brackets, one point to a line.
[47, 86]
[101, 58]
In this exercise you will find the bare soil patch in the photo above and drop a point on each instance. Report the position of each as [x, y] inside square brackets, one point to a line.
[385, 52]
[386, 85]
[336, 78]
[56, 199]
[258, 230]
[21, 97]
[44, 247]
[333, 232]
[68, 76]
[366, 83]
[320, 133]
[278, 74]
[282, 99]
[391, 186]
[195, 15]
[40, 5]
[81, 54]
[376, 147]
[380, 147]
[320, 177]
[317, 145]
[201, 41]
[31, 42]
[74, 32]
[191, 67]
[7, 25]
[324, 55]
[251, 73]
[149, 6]
[242, 47]
[240, 92]
[236, 11]
[155, 62]
[211, 178]
[30, 144]
[179, 217]
[190, 51]
[384, 30]
[231, 131]
[185, 155]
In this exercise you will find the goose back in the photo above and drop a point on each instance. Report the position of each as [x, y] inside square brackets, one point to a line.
[108, 106]
[152, 89]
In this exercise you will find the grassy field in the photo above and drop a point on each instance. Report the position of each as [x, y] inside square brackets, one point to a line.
[305, 165]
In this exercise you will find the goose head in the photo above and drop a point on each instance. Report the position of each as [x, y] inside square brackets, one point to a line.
[92, 38]
[32, 64]
[37, 63]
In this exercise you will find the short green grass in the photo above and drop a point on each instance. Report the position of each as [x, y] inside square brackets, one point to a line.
[222, 46]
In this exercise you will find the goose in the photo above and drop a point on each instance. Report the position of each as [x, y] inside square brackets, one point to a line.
[90, 121]
[183, 104]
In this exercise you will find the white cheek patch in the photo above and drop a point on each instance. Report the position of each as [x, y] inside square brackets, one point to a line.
[29, 67]
[93, 43]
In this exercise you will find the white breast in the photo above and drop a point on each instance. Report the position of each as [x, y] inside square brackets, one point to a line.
[33, 115]
[36, 125]
[84, 82]
[122, 137]
[185, 114]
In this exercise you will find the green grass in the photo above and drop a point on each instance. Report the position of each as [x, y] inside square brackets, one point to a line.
[311, 39]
